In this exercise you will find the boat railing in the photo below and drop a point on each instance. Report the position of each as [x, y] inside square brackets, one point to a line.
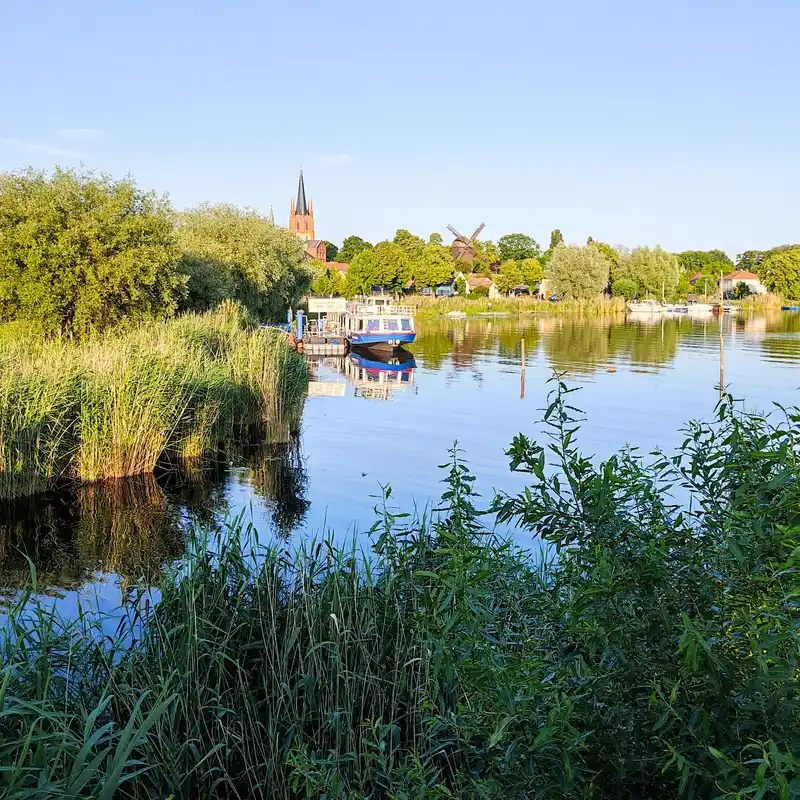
[383, 310]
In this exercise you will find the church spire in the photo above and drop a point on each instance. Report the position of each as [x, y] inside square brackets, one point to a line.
[301, 206]
[271, 215]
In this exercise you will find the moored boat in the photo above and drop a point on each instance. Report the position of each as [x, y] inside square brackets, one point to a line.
[646, 307]
[790, 308]
[378, 322]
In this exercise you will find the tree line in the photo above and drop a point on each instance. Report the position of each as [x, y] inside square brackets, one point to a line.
[81, 252]
[576, 272]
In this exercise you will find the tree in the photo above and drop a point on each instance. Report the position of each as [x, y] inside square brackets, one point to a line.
[625, 287]
[709, 263]
[780, 273]
[555, 239]
[460, 286]
[432, 266]
[386, 265]
[532, 271]
[81, 252]
[611, 253]
[577, 272]
[351, 247]
[435, 238]
[331, 250]
[264, 264]
[509, 277]
[409, 242]
[487, 256]
[750, 260]
[328, 282]
[517, 246]
[740, 291]
[653, 271]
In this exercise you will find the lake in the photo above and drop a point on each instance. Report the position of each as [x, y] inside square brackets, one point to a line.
[369, 424]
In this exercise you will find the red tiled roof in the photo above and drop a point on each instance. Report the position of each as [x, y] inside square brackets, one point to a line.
[696, 277]
[741, 275]
[338, 265]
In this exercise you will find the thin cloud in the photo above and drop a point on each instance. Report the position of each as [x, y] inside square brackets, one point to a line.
[46, 149]
[335, 158]
[81, 133]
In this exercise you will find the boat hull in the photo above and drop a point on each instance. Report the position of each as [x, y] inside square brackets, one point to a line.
[646, 308]
[383, 341]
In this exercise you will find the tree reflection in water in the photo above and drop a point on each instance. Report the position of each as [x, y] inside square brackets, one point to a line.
[134, 527]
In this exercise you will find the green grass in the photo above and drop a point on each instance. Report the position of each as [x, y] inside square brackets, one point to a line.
[115, 405]
[439, 306]
[654, 655]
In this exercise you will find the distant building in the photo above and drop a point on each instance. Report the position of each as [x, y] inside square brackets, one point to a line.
[339, 266]
[301, 213]
[316, 248]
[749, 279]
[474, 281]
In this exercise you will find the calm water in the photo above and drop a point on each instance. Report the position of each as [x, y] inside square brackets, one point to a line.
[368, 424]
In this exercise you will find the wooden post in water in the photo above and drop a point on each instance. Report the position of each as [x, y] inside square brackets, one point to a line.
[721, 358]
[522, 372]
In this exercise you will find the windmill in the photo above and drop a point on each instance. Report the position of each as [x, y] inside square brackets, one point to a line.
[463, 247]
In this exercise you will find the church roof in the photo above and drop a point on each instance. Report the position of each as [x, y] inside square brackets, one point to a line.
[301, 206]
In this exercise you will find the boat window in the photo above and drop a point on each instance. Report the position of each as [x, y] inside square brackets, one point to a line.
[406, 323]
[391, 325]
[404, 376]
[373, 324]
[361, 324]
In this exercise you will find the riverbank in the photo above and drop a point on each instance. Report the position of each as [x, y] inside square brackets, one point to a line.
[115, 405]
[440, 306]
[657, 660]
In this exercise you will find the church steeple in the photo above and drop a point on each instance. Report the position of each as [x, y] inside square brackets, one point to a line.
[301, 213]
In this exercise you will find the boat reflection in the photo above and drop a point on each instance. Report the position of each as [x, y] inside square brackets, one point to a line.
[373, 374]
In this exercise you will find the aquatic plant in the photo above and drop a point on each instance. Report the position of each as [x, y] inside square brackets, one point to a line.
[115, 405]
[652, 651]
[439, 306]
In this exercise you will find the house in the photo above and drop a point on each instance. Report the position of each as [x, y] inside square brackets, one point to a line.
[749, 279]
[476, 281]
[339, 266]
[316, 248]
[545, 290]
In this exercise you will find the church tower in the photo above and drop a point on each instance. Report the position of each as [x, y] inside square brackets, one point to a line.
[301, 213]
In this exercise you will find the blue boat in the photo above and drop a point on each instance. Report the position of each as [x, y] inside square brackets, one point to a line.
[790, 308]
[377, 375]
[378, 322]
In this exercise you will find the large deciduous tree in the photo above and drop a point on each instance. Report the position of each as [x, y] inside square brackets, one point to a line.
[509, 276]
[386, 265]
[780, 273]
[263, 265]
[653, 271]
[351, 247]
[707, 262]
[432, 265]
[80, 252]
[331, 250]
[577, 272]
[517, 246]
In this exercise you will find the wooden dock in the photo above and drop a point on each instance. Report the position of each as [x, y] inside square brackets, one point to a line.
[324, 346]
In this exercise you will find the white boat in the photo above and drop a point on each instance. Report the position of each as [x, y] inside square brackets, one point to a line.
[646, 307]
[700, 308]
[376, 321]
[456, 314]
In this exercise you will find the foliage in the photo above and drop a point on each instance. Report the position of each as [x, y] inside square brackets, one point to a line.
[386, 265]
[328, 281]
[577, 272]
[331, 250]
[487, 255]
[653, 271]
[740, 291]
[652, 653]
[532, 271]
[460, 286]
[710, 263]
[82, 252]
[412, 244]
[432, 265]
[611, 253]
[434, 307]
[750, 260]
[780, 273]
[263, 263]
[556, 238]
[509, 277]
[351, 247]
[115, 405]
[479, 291]
[518, 246]
[435, 238]
[625, 287]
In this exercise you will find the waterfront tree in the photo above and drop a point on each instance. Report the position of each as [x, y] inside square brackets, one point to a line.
[386, 265]
[509, 276]
[653, 271]
[487, 256]
[625, 287]
[709, 263]
[413, 245]
[780, 272]
[327, 281]
[351, 247]
[517, 246]
[576, 272]
[435, 238]
[532, 271]
[264, 264]
[555, 239]
[81, 252]
[431, 266]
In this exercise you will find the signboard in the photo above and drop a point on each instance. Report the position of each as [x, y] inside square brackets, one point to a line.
[326, 305]
[326, 388]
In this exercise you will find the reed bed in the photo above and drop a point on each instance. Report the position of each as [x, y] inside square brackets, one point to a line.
[439, 306]
[657, 657]
[113, 406]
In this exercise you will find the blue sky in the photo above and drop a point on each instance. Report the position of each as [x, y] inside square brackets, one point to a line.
[636, 122]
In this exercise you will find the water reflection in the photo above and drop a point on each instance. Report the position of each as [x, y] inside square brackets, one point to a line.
[374, 375]
[128, 529]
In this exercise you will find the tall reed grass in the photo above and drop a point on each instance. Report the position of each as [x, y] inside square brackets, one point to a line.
[439, 306]
[653, 655]
[114, 406]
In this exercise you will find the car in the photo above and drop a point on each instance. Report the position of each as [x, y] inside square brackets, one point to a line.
[554, 298]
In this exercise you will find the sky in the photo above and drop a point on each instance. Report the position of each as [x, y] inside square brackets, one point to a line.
[638, 122]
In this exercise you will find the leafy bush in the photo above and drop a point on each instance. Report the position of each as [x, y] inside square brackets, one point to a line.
[624, 287]
[479, 291]
[82, 252]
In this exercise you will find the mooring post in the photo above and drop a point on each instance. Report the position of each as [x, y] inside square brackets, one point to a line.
[522, 372]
